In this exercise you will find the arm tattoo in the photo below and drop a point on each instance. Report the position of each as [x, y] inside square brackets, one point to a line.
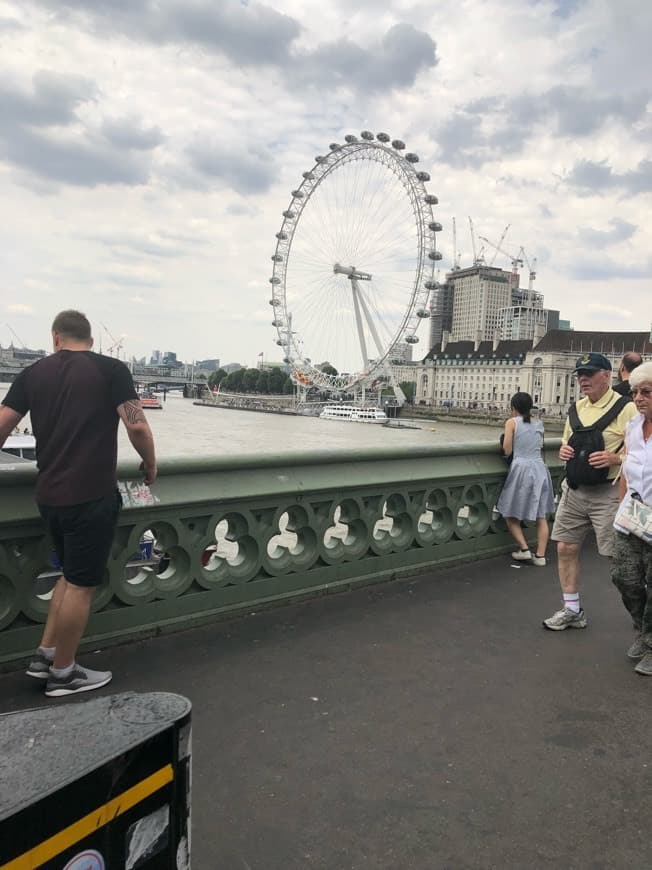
[134, 412]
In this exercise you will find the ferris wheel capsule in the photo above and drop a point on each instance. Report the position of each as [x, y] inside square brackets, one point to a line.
[411, 157]
[382, 137]
[411, 339]
[423, 176]
[430, 199]
[367, 135]
[398, 144]
[435, 255]
[435, 226]
[350, 138]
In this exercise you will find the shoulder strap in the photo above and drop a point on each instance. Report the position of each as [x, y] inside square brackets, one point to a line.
[573, 417]
[612, 413]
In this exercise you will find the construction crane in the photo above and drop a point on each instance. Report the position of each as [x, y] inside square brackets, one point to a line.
[497, 247]
[118, 343]
[17, 337]
[516, 261]
[456, 258]
[478, 256]
[532, 269]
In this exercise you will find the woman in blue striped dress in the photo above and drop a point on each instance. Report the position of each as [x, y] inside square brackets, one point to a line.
[527, 493]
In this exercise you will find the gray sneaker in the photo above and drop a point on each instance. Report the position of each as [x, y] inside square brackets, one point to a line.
[78, 680]
[39, 667]
[565, 618]
[638, 649]
[645, 665]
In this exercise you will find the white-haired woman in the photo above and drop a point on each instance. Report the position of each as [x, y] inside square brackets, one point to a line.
[632, 561]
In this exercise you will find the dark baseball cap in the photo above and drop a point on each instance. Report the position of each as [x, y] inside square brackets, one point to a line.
[592, 362]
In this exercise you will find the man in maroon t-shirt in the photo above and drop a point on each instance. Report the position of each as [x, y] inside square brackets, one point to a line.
[76, 399]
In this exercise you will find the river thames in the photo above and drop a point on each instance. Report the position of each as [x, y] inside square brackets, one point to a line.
[184, 429]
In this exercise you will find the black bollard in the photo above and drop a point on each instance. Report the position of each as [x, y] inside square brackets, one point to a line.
[97, 785]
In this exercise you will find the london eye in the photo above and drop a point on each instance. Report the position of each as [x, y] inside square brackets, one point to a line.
[354, 262]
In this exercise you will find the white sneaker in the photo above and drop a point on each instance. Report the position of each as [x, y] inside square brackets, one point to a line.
[522, 556]
[565, 618]
[539, 561]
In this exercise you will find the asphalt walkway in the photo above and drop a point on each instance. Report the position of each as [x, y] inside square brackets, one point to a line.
[428, 724]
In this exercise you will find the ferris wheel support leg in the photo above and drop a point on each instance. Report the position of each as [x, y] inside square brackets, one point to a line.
[372, 325]
[358, 322]
[401, 398]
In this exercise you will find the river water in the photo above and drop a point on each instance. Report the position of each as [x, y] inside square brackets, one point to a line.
[185, 429]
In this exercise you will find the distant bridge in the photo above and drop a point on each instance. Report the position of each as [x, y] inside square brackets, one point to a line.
[141, 375]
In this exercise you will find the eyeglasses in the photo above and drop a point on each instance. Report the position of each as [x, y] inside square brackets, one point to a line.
[646, 392]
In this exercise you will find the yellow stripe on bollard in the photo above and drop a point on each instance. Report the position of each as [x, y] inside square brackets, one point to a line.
[87, 825]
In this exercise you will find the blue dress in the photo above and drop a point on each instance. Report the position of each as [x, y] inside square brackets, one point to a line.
[527, 493]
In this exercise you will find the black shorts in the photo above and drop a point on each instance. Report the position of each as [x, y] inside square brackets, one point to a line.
[82, 535]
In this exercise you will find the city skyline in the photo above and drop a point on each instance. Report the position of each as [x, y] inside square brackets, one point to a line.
[147, 153]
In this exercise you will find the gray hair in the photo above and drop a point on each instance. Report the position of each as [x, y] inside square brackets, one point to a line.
[641, 375]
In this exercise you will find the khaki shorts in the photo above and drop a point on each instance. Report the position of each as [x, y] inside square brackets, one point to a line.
[583, 509]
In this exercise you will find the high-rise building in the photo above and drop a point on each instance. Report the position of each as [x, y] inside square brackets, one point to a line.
[401, 352]
[441, 311]
[479, 294]
[209, 365]
[526, 318]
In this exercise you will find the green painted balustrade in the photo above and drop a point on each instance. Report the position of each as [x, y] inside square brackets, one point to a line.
[243, 532]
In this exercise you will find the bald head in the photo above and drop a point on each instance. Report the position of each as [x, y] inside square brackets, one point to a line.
[630, 361]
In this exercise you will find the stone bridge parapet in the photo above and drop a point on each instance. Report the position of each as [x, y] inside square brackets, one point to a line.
[237, 533]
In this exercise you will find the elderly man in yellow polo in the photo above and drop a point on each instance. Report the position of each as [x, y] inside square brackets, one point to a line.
[592, 444]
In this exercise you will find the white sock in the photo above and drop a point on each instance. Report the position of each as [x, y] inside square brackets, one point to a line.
[62, 672]
[48, 652]
[572, 601]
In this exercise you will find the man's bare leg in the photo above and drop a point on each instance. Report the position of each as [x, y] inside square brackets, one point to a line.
[568, 561]
[69, 612]
[571, 615]
[55, 603]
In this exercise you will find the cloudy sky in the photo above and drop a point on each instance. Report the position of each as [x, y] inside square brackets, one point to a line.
[148, 148]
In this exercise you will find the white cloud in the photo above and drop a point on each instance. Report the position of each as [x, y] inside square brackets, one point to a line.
[19, 308]
[616, 311]
[147, 150]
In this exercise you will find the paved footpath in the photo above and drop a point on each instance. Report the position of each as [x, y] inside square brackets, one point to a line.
[428, 724]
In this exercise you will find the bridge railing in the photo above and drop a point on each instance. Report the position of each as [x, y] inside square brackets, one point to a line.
[248, 531]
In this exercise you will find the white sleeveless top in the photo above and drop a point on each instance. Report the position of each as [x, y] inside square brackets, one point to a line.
[637, 466]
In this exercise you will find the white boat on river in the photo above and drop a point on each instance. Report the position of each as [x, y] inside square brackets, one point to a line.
[354, 414]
